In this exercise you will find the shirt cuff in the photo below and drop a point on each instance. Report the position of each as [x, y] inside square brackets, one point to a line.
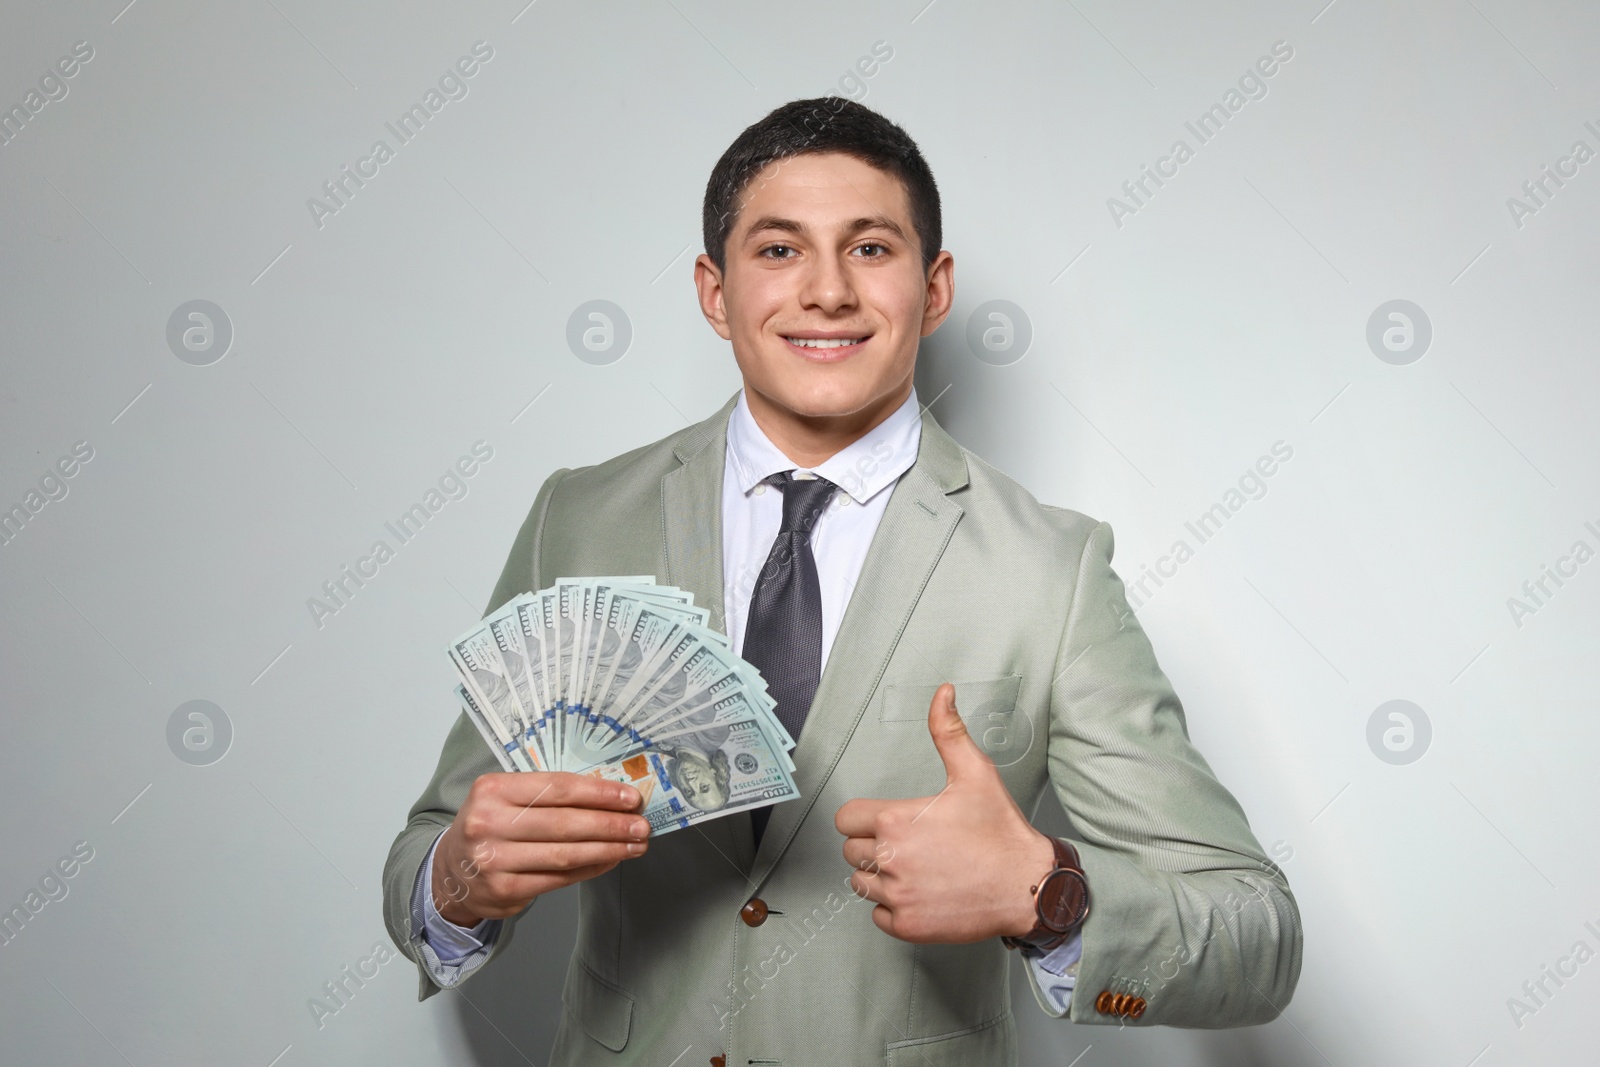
[449, 952]
[1057, 970]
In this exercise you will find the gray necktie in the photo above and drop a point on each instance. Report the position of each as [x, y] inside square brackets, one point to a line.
[783, 633]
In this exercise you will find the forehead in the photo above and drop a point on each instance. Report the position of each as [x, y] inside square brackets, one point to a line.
[820, 188]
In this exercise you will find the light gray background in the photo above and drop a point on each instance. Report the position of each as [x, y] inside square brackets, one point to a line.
[1168, 354]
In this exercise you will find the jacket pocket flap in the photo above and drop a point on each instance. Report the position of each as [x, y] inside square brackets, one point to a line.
[604, 1011]
[975, 700]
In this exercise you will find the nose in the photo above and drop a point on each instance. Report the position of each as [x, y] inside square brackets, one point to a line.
[827, 286]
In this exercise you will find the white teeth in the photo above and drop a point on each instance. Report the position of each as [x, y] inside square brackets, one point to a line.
[824, 343]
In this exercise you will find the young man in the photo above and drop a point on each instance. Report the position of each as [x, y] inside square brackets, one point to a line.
[861, 559]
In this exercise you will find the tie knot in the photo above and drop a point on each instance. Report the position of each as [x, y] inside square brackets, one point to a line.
[803, 501]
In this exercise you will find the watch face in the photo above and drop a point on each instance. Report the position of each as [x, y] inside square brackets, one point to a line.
[1062, 899]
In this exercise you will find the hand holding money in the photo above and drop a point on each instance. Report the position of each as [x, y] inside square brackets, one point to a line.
[595, 690]
[519, 836]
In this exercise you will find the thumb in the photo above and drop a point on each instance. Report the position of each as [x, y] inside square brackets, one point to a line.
[961, 754]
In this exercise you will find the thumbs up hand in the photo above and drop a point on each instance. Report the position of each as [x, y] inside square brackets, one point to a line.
[951, 868]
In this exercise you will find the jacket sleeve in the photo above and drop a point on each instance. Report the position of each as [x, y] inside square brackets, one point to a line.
[464, 758]
[1186, 912]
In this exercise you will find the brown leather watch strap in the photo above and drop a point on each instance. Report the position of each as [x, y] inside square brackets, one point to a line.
[1066, 855]
[1060, 901]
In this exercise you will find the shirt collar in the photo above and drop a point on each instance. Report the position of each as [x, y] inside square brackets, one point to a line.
[863, 469]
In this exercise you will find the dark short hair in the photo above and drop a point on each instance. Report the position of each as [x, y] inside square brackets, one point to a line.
[821, 124]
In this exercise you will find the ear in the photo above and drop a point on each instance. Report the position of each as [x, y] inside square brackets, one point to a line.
[708, 285]
[941, 292]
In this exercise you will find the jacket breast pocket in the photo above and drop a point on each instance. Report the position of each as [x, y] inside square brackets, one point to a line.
[990, 1043]
[987, 705]
[977, 701]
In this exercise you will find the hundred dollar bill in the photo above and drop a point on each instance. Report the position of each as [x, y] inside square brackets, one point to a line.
[690, 678]
[698, 721]
[651, 640]
[602, 642]
[514, 654]
[483, 672]
[508, 752]
[697, 781]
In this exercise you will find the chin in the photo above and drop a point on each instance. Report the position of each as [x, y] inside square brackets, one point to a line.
[822, 403]
[828, 395]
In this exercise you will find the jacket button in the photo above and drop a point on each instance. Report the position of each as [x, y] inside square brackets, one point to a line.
[754, 913]
[1102, 1003]
[719, 1061]
[1136, 1009]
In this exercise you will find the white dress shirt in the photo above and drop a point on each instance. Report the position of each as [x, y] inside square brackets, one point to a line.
[752, 511]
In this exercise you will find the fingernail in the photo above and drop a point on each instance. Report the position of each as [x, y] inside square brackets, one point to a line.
[636, 849]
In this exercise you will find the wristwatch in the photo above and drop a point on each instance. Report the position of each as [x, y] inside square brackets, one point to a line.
[1060, 902]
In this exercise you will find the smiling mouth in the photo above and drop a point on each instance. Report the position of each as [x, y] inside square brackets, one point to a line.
[825, 343]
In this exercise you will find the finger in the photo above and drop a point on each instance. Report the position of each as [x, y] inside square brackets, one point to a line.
[544, 857]
[883, 919]
[856, 817]
[961, 755]
[865, 853]
[569, 824]
[514, 891]
[560, 789]
[868, 887]
[544, 882]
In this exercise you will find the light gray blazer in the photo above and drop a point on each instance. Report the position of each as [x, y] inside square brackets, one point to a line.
[970, 580]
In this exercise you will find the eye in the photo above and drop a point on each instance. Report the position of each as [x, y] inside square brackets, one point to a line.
[884, 250]
[774, 248]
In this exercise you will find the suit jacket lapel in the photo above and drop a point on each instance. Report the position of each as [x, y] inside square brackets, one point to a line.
[911, 537]
[691, 514]
[691, 546]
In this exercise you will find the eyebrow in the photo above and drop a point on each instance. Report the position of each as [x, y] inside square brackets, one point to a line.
[855, 226]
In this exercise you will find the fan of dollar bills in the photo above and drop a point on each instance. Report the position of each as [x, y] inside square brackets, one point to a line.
[621, 678]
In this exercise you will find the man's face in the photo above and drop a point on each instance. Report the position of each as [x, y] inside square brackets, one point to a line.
[822, 251]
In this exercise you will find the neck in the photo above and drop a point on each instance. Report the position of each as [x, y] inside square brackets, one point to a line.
[810, 440]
